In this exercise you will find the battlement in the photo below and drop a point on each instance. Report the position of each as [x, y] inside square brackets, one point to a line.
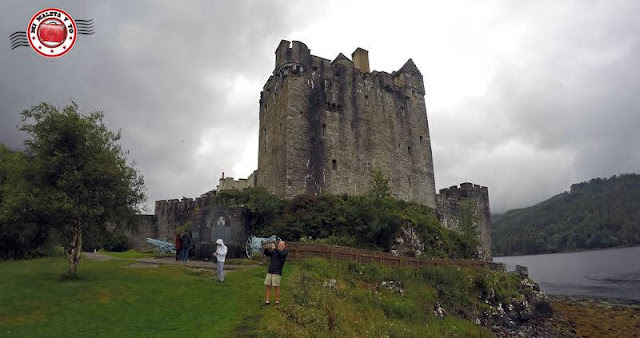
[163, 207]
[452, 205]
[229, 183]
[294, 56]
[466, 190]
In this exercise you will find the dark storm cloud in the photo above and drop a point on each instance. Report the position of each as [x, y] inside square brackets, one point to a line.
[558, 102]
[181, 80]
[566, 112]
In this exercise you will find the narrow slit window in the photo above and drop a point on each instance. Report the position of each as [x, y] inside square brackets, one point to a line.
[265, 135]
[324, 127]
[334, 164]
[366, 100]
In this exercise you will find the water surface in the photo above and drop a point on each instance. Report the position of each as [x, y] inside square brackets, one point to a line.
[601, 273]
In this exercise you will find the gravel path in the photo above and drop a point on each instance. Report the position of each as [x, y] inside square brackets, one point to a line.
[164, 261]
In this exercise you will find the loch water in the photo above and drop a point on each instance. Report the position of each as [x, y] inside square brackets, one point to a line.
[610, 273]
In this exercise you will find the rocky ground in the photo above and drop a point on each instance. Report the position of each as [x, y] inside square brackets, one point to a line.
[599, 317]
[579, 316]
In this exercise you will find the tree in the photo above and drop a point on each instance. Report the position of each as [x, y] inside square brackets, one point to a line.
[19, 236]
[380, 190]
[78, 179]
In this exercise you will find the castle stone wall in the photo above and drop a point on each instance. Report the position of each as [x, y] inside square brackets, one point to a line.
[146, 228]
[326, 126]
[207, 222]
[449, 212]
[229, 183]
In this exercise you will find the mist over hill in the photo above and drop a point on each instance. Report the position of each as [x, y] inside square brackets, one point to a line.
[599, 213]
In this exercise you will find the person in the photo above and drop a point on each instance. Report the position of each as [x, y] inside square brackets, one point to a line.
[221, 253]
[186, 241]
[274, 273]
[178, 246]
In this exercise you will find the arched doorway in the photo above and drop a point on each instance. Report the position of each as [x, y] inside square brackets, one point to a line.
[220, 225]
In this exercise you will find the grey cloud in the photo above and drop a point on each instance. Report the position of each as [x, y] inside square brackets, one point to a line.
[561, 107]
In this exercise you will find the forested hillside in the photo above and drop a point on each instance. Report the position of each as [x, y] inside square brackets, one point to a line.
[599, 213]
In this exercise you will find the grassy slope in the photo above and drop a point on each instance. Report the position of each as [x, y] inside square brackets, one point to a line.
[111, 301]
[355, 307]
[115, 301]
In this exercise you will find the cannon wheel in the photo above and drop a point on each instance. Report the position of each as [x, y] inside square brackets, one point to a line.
[247, 246]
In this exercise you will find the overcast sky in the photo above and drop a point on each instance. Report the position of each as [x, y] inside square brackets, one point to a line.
[525, 97]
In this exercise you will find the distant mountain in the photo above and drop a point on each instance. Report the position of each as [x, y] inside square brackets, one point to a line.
[600, 213]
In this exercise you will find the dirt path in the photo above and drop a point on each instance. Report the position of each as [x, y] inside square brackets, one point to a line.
[150, 261]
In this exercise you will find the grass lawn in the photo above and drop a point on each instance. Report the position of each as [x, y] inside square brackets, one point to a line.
[114, 301]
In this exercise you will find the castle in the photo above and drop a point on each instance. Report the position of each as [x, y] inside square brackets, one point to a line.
[326, 126]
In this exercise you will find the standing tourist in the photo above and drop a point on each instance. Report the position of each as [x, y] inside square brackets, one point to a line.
[221, 253]
[178, 246]
[186, 242]
[274, 273]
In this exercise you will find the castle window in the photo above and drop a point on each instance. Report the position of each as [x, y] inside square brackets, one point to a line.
[420, 138]
[334, 164]
[409, 149]
[324, 127]
[413, 92]
[366, 100]
[265, 135]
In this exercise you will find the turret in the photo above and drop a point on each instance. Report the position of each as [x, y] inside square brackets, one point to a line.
[292, 59]
[409, 76]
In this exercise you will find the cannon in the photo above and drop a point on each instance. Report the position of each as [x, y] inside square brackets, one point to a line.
[255, 245]
[162, 246]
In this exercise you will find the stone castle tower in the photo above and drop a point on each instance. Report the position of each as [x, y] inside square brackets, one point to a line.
[325, 126]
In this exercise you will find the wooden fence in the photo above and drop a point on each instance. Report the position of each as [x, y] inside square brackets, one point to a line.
[308, 250]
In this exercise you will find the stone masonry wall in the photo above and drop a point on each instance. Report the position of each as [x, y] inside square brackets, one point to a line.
[448, 212]
[207, 222]
[146, 228]
[229, 183]
[325, 126]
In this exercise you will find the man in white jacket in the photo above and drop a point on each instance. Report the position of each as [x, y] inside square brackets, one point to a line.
[221, 253]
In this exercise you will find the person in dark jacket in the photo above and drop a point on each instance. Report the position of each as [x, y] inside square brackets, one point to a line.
[178, 246]
[186, 242]
[274, 273]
